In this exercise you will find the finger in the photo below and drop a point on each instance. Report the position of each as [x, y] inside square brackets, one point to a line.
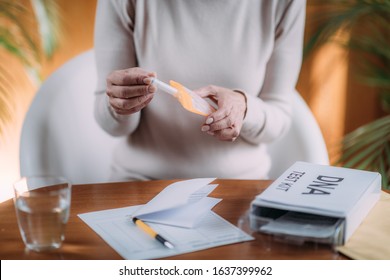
[132, 110]
[127, 104]
[221, 124]
[140, 106]
[129, 91]
[220, 114]
[202, 92]
[208, 91]
[229, 134]
[131, 76]
[225, 123]
[211, 120]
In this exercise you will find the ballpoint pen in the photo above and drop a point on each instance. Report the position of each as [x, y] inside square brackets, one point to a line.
[152, 233]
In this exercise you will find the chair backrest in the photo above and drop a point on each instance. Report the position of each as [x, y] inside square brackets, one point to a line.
[303, 142]
[60, 135]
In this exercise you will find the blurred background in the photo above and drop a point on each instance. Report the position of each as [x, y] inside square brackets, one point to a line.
[344, 77]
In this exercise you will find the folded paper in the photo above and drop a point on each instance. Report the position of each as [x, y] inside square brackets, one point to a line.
[181, 204]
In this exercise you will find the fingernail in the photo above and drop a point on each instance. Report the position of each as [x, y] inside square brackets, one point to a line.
[210, 132]
[209, 120]
[148, 81]
[205, 128]
[152, 88]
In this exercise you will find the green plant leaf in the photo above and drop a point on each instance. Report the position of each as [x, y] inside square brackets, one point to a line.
[338, 16]
[365, 156]
[368, 148]
[383, 168]
[363, 136]
[385, 101]
[7, 41]
[14, 12]
[47, 14]
[377, 129]
[5, 99]
[20, 38]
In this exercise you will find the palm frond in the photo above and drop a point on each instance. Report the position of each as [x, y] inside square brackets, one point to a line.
[337, 18]
[8, 42]
[47, 15]
[5, 99]
[368, 147]
[343, 15]
[385, 101]
[14, 14]
[29, 35]
[366, 23]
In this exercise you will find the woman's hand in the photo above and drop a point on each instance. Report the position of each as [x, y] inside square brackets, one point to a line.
[226, 122]
[130, 90]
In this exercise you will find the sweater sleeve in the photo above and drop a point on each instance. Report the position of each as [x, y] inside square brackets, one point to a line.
[114, 50]
[269, 115]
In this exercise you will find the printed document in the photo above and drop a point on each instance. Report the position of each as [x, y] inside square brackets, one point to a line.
[181, 213]
[129, 241]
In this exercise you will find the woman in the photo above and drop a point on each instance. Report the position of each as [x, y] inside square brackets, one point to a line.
[246, 55]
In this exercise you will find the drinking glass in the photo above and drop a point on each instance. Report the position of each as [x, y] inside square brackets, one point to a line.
[42, 208]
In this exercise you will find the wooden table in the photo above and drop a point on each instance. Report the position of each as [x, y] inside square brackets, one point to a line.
[83, 243]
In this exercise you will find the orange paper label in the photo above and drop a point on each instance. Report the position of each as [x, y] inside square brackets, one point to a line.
[185, 98]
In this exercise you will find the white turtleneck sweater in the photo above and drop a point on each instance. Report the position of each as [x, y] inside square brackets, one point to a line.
[251, 45]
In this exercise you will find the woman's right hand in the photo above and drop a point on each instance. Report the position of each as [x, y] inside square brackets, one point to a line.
[130, 90]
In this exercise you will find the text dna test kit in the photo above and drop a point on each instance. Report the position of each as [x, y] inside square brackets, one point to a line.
[319, 203]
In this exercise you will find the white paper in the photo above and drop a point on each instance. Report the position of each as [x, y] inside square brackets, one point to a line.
[187, 216]
[129, 241]
[317, 189]
[181, 204]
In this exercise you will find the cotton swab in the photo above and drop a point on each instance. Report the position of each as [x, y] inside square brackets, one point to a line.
[188, 99]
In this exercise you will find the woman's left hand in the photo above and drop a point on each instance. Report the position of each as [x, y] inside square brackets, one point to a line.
[225, 123]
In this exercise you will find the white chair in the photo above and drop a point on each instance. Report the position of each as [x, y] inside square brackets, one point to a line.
[303, 142]
[61, 137]
[59, 134]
